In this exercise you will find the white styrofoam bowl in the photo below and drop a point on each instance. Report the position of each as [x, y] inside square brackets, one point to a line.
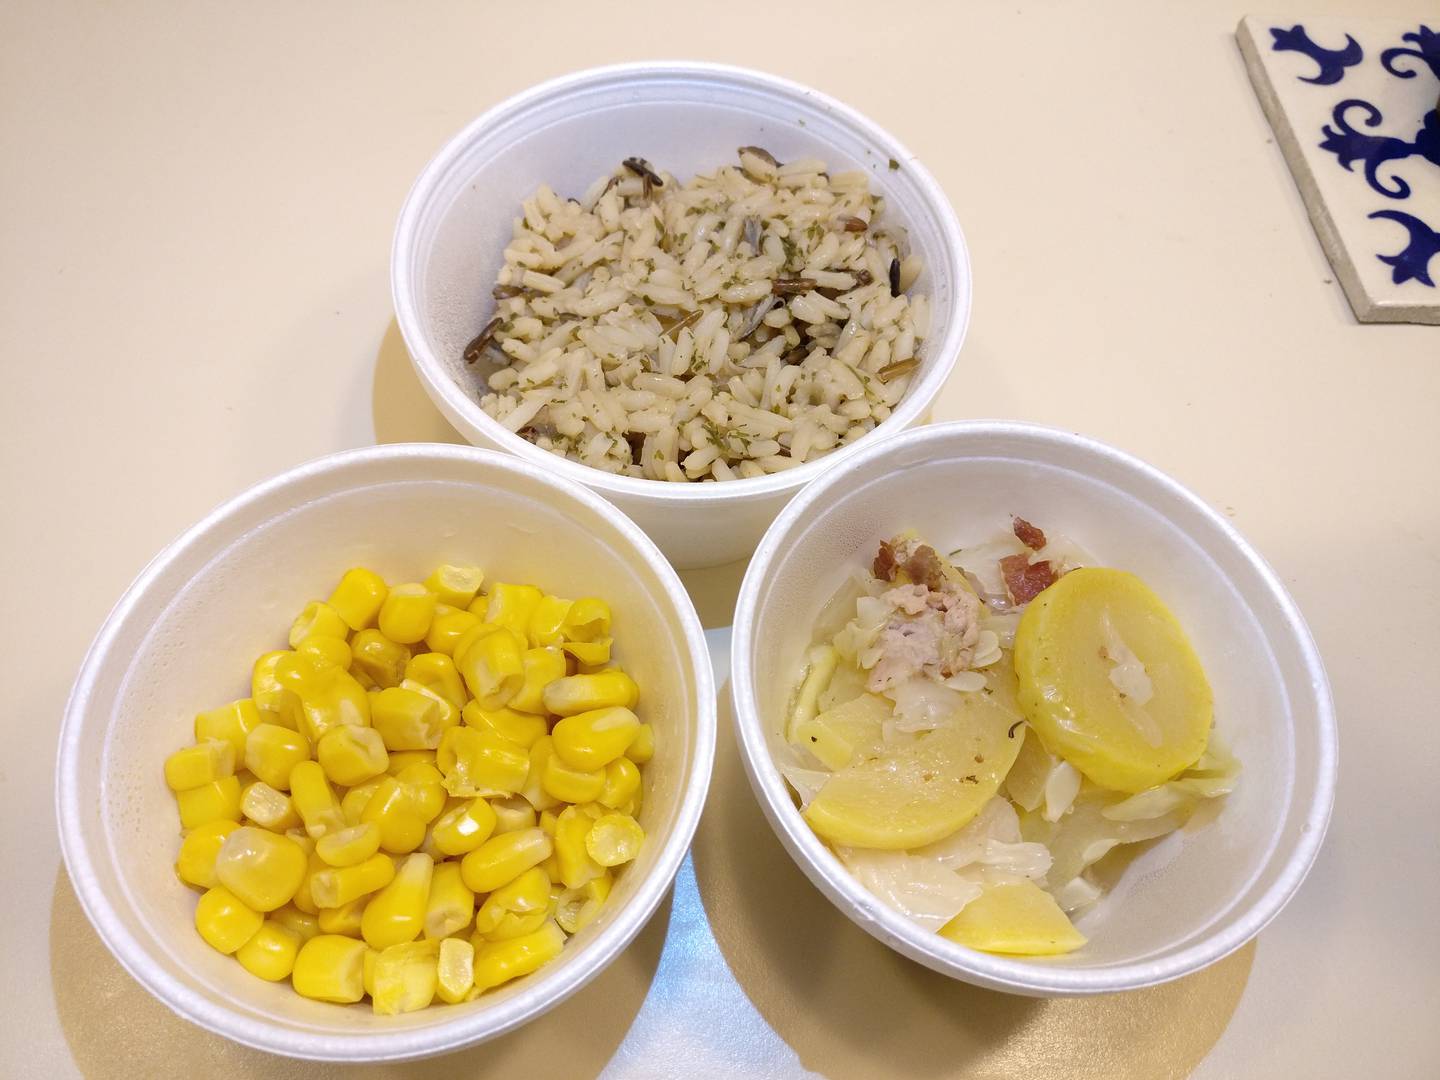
[1194, 896]
[182, 639]
[686, 118]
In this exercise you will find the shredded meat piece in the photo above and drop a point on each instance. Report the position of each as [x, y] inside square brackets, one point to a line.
[1032, 536]
[884, 566]
[933, 632]
[1025, 580]
[923, 566]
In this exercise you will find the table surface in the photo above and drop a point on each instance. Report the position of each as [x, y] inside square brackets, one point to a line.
[198, 203]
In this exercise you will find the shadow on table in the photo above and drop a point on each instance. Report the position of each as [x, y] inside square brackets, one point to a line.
[850, 1007]
[400, 408]
[114, 1028]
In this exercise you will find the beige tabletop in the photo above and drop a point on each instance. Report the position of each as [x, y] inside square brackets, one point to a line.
[196, 205]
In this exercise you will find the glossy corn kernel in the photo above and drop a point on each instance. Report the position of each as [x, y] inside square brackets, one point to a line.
[528, 894]
[301, 837]
[349, 846]
[318, 619]
[334, 887]
[263, 869]
[587, 620]
[368, 970]
[333, 650]
[437, 672]
[303, 925]
[306, 674]
[642, 747]
[479, 607]
[382, 660]
[517, 727]
[494, 667]
[548, 821]
[352, 755]
[592, 740]
[533, 790]
[270, 953]
[314, 799]
[346, 919]
[232, 723]
[576, 866]
[512, 814]
[405, 616]
[448, 628]
[543, 666]
[218, 800]
[463, 828]
[200, 764]
[224, 920]
[503, 858]
[451, 904]
[469, 637]
[330, 967]
[500, 961]
[585, 693]
[391, 809]
[268, 808]
[622, 781]
[566, 783]
[576, 908]
[275, 702]
[455, 585]
[344, 701]
[423, 787]
[547, 621]
[449, 714]
[396, 914]
[405, 977]
[358, 597]
[303, 900]
[272, 752]
[195, 865]
[512, 606]
[476, 762]
[354, 801]
[589, 653]
[455, 970]
[407, 719]
[403, 759]
[614, 839]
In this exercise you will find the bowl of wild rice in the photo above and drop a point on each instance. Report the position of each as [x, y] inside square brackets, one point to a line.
[689, 287]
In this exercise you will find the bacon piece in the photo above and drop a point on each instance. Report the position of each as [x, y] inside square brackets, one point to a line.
[1025, 580]
[923, 566]
[884, 566]
[1031, 536]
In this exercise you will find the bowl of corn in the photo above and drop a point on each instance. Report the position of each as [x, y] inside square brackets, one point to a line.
[387, 755]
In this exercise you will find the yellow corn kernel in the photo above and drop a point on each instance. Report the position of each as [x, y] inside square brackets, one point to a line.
[303, 925]
[517, 727]
[391, 809]
[632, 807]
[333, 650]
[298, 834]
[381, 659]
[345, 919]
[455, 585]
[358, 597]
[330, 967]
[229, 722]
[352, 755]
[449, 714]
[202, 763]
[396, 914]
[275, 702]
[405, 977]
[469, 637]
[512, 814]
[423, 786]
[576, 866]
[614, 839]
[349, 846]
[576, 908]
[503, 858]
[263, 869]
[195, 865]
[543, 666]
[334, 887]
[448, 627]
[437, 672]
[272, 751]
[500, 961]
[403, 759]
[642, 748]
[494, 667]
[585, 693]
[218, 800]
[270, 953]
[590, 653]
[345, 701]
[563, 781]
[512, 605]
[455, 970]
[407, 719]
[224, 921]
[622, 780]
[548, 820]
[303, 900]
[314, 799]
[592, 740]
[268, 808]
[318, 619]
[527, 894]
[405, 616]
[307, 674]
[533, 790]
[587, 620]
[464, 828]
[368, 970]
[451, 904]
[476, 762]
[547, 620]
[353, 803]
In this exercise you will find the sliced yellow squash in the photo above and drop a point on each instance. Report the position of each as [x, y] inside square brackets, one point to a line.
[835, 734]
[1021, 919]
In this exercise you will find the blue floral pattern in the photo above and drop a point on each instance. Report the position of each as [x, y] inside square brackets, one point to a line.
[1414, 261]
[1333, 62]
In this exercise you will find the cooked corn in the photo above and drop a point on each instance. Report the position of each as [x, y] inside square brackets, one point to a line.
[333, 887]
[330, 968]
[500, 961]
[231, 722]
[275, 702]
[358, 597]
[464, 828]
[202, 763]
[345, 919]
[503, 858]
[642, 749]
[268, 808]
[520, 728]
[622, 781]
[591, 740]
[455, 970]
[448, 627]
[451, 904]
[381, 659]
[392, 809]
[405, 977]
[195, 864]
[407, 719]
[401, 760]
[224, 921]
[476, 762]
[614, 839]
[333, 650]
[405, 616]
[584, 693]
[590, 653]
[351, 755]
[587, 620]
[354, 801]
[533, 791]
[314, 799]
[547, 621]
[272, 751]
[566, 783]
[455, 585]
[262, 868]
[543, 667]
[494, 667]
[219, 800]
[423, 787]
[396, 914]
[304, 925]
[436, 672]
[572, 829]
[528, 894]
[349, 846]
[318, 619]
[512, 814]
[270, 953]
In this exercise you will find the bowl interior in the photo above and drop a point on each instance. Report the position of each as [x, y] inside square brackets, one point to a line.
[957, 487]
[229, 592]
[685, 120]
